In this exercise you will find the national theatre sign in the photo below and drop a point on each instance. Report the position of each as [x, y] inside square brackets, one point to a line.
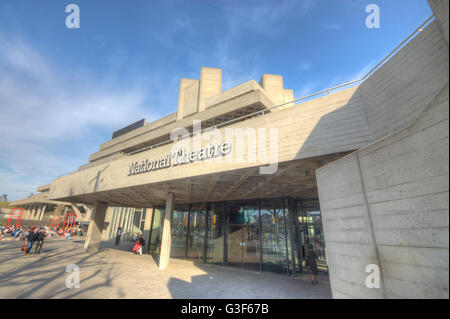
[180, 157]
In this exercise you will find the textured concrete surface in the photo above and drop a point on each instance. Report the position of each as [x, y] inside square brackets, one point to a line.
[440, 10]
[120, 274]
[387, 204]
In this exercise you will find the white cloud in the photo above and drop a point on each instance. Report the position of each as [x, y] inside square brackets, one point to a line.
[43, 108]
[304, 66]
[332, 26]
[307, 89]
[173, 32]
[337, 80]
[266, 18]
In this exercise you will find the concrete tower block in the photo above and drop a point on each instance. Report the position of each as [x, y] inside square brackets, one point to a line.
[273, 86]
[440, 10]
[210, 85]
[288, 97]
[187, 98]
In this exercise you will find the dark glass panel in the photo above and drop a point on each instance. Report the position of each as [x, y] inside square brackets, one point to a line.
[311, 221]
[216, 234]
[243, 247]
[196, 233]
[274, 236]
[156, 231]
[179, 233]
[239, 213]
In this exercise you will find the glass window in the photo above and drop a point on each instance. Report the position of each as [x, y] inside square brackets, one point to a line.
[135, 227]
[242, 235]
[125, 224]
[274, 236]
[242, 213]
[154, 247]
[196, 233]
[143, 215]
[216, 233]
[311, 221]
[112, 225]
[179, 233]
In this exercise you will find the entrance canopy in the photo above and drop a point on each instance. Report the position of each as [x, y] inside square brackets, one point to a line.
[295, 179]
[217, 152]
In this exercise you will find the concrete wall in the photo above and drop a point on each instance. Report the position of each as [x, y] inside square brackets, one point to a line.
[195, 97]
[388, 204]
[146, 128]
[397, 93]
[440, 9]
[327, 125]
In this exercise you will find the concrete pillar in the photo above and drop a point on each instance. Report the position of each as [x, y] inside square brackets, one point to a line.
[38, 213]
[94, 235]
[166, 240]
[43, 212]
[147, 226]
[25, 213]
[30, 212]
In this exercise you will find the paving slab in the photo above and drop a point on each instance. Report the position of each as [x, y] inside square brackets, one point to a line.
[113, 273]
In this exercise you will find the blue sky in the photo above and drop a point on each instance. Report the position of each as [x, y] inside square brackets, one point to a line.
[64, 91]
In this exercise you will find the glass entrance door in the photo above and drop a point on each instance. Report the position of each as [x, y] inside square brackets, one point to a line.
[311, 229]
[251, 248]
[243, 246]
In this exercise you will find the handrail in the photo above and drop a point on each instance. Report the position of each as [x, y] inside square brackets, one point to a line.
[262, 112]
[418, 29]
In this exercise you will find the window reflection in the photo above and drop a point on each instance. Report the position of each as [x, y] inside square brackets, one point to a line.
[311, 225]
[196, 232]
[179, 233]
[274, 236]
[156, 231]
[216, 233]
[269, 234]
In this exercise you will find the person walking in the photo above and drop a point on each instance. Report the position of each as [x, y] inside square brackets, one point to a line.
[312, 264]
[39, 242]
[139, 244]
[31, 238]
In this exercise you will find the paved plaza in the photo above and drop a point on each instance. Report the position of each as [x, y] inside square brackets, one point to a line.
[113, 273]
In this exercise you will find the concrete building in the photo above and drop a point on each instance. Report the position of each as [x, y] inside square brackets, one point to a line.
[359, 175]
[39, 209]
[4, 198]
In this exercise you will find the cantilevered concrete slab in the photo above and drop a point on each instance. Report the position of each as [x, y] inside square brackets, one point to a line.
[327, 127]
